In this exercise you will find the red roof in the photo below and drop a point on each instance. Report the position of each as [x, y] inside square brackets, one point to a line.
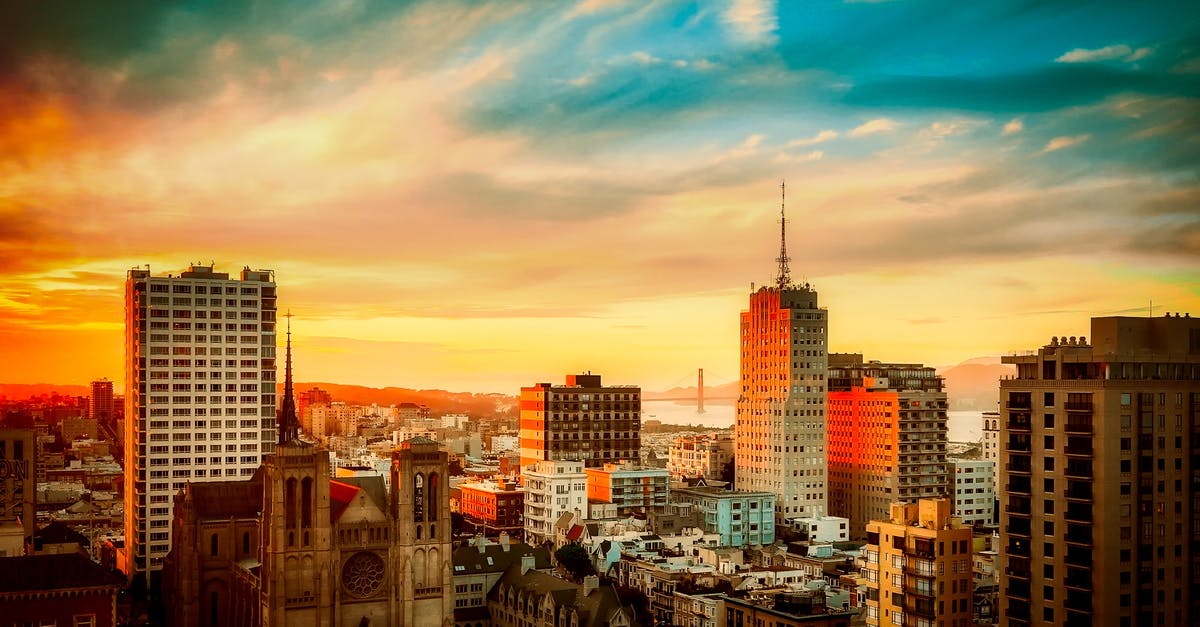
[341, 495]
[575, 532]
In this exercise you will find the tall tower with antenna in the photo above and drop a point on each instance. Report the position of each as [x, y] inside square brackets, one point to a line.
[780, 426]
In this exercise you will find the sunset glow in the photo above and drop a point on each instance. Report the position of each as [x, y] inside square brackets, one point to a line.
[478, 196]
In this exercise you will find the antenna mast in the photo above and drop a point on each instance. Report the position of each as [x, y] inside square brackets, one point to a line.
[784, 278]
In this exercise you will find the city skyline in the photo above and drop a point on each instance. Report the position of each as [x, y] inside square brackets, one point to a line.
[474, 196]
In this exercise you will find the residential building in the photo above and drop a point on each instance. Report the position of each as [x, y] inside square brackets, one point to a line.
[583, 420]
[66, 589]
[100, 403]
[493, 507]
[1100, 442]
[823, 528]
[525, 596]
[974, 492]
[552, 488]
[793, 609]
[780, 413]
[199, 391]
[632, 489]
[918, 568]
[480, 565]
[700, 455]
[75, 428]
[740, 518]
[887, 437]
[991, 452]
[18, 487]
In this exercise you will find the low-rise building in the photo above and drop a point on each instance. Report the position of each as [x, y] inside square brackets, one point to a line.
[477, 568]
[552, 488]
[974, 490]
[631, 489]
[525, 596]
[700, 455]
[793, 609]
[823, 528]
[741, 518]
[493, 507]
[65, 589]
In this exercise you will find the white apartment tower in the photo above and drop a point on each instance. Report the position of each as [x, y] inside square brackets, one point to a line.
[780, 426]
[199, 392]
[552, 488]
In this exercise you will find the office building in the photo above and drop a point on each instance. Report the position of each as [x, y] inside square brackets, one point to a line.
[1100, 519]
[741, 518]
[552, 488]
[974, 492]
[100, 403]
[918, 568]
[887, 437]
[199, 391]
[632, 489]
[583, 420]
[18, 487]
[780, 414]
[700, 455]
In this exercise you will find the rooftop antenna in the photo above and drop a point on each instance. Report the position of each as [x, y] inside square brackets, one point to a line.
[784, 278]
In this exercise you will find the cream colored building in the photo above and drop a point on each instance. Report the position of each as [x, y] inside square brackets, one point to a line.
[700, 455]
[552, 488]
[918, 568]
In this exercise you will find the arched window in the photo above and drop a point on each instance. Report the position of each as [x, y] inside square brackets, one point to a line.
[289, 504]
[432, 531]
[418, 532]
[433, 498]
[213, 545]
[246, 542]
[418, 498]
[306, 504]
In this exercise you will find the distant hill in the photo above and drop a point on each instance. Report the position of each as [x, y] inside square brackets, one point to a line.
[724, 390]
[975, 384]
[21, 391]
[438, 401]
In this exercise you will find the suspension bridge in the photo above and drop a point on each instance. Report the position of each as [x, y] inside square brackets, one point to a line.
[679, 390]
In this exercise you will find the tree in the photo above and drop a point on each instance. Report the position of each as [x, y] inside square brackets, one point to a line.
[575, 559]
[727, 472]
[455, 467]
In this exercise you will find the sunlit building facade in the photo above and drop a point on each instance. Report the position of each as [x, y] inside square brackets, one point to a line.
[887, 437]
[199, 391]
[1100, 520]
[700, 455]
[583, 420]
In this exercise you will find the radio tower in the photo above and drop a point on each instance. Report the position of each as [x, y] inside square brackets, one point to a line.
[784, 278]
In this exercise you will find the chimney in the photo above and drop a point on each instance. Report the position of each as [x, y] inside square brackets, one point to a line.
[504, 540]
[590, 584]
[527, 563]
[480, 543]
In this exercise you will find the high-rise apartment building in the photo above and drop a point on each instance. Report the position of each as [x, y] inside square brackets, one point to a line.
[887, 437]
[552, 488]
[199, 391]
[583, 420]
[100, 403]
[919, 567]
[1100, 520]
[780, 424]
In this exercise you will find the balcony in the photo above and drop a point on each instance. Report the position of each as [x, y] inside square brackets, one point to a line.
[1023, 467]
[1078, 427]
[1018, 527]
[1079, 578]
[1017, 589]
[1078, 512]
[1019, 423]
[1083, 406]
[1078, 556]
[1078, 469]
[1079, 491]
[1079, 534]
[1019, 485]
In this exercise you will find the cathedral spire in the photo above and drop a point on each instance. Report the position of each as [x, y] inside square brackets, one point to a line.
[784, 278]
[289, 425]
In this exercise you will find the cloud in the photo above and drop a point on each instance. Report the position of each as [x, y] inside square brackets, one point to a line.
[1107, 53]
[752, 21]
[819, 138]
[1058, 143]
[1013, 127]
[878, 125]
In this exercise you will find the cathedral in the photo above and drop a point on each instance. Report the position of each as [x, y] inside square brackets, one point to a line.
[292, 547]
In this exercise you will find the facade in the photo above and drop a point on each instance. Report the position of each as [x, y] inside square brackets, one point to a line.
[493, 507]
[552, 488]
[918, 568]
[991, 452]
[1100, 443]
[823, 528]
[66, 590]
[199, 391]
[740, 518]
[76, 428]
[477, 568]
[524, 596]
[18, 487]
[700, 455]
[974, 492]
[100, 403]
[583, 420]
[632, 489]
[784, 610]
[887, 437]
[780, 413]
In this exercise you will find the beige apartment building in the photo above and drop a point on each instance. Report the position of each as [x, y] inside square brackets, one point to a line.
[919, 567]
[1100, 511]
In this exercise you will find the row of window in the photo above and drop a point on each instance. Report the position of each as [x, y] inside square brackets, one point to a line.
[192, 288]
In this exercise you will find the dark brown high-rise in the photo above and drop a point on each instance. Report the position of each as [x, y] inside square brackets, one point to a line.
[1100, 477]
[580, 421]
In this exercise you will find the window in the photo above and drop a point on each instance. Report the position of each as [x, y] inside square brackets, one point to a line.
[85, 620]
[213, 545]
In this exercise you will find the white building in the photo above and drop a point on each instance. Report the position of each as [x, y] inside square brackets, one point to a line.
[991, 442]
[199, 391]
[633, 489]
[974, 490]
[823, 528]
[552, 488]
[505, 442]
[700, 455]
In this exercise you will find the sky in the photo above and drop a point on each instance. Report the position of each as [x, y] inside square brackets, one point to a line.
[478, 196]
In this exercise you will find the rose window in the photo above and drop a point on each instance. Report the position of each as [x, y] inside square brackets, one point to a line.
[363, 573]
